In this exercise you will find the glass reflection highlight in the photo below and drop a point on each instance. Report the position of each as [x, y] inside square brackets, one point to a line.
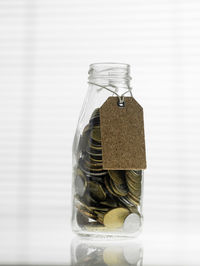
[86, 252]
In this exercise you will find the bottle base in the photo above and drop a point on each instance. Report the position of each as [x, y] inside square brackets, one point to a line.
[106, 234]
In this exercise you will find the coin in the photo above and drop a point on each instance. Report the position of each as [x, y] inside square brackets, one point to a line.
[133, 199]
[110, 202]
[134, 175]
[83, 203]
[100, 216]
[115, 217]
[89, 161]
[135, 192]
[108, 186]
[118, 176]
[96, 158]
[95, 147]
[133, 185]
[85, 212]
[119, 190]
[114, 256]
[94, 152]
[125, 202]
[95, 117]
[89, 171]
[99, 179]
[95, 113]
[96, 191]
[96, 134]
[100, 208]
[94, 168]
[89, 200]
[86, 129]
[81, 219]
[80, 183]
[132, 223]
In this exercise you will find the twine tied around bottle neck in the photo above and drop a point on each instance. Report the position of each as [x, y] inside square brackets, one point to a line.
[120, 97]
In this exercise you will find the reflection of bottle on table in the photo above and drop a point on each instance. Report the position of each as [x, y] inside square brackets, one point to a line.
[106, 253]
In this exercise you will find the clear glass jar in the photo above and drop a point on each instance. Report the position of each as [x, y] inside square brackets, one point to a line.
[105, 202]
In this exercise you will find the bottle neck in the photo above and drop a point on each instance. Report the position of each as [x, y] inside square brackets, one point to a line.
[110, 74]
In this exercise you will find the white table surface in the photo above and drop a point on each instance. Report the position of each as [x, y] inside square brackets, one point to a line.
[51, 242]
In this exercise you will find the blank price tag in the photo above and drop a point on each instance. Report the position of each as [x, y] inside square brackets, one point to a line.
[122, 135]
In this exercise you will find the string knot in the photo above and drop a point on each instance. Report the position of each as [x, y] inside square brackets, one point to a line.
[120, 97]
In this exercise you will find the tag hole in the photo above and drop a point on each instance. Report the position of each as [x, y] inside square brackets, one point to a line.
[121, 104]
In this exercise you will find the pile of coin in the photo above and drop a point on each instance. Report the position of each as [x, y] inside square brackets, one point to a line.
[104, 198]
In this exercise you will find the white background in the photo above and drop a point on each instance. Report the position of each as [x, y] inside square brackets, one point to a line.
[45, 51]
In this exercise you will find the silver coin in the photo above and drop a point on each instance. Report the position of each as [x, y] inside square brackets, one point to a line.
[133, 253]
[132, 223]
[80, 185]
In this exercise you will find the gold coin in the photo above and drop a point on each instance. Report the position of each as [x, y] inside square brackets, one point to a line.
[94, 143]
[133, 199]
[86, 129]
[93, 168]
[96, 134]
[118, 176]
[96, 190]
[115, 217]
[100, 208]
[94, 147]
[95, 113]
[89, 200]
[87, 213]
[89, 160]
[133, 184]
[100, 216]
[96, 159]
[108, 186]
[109, 202]
[133, 196]
[95, 117]
[136, 193]
[82, 202]
[134, 188]
[93, 165]
[133, 175]
[87, 171]
[125, 202]
[118, 190]
[114, 256]
[93, 152]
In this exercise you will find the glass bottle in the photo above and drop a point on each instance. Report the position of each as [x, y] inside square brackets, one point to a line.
[104, 203]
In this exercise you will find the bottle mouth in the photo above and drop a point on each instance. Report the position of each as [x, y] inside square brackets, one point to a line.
[117, 71]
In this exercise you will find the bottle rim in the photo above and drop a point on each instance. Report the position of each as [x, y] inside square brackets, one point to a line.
[110, 70]
[109, 63]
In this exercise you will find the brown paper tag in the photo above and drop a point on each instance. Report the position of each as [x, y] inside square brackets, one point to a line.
[122, 135]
